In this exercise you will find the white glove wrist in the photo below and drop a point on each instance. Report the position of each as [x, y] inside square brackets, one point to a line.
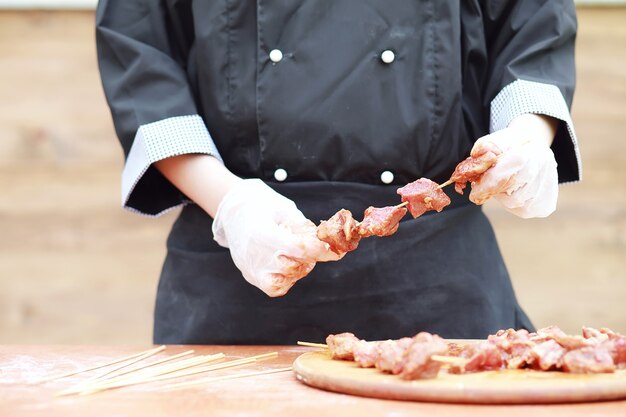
[524, 179]
[270, 240]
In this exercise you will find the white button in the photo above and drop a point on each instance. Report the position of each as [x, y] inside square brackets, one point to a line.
[387, 56]
[280, 175]
[276, 55]
[386, 177]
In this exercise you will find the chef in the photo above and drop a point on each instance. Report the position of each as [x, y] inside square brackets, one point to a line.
[262, 118]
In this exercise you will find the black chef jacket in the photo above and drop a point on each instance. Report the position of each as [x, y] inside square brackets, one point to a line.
[335, 104]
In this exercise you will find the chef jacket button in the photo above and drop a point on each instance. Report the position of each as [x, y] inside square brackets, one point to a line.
[387, 56]
[276, 55]
[386, 177]
[280, 175]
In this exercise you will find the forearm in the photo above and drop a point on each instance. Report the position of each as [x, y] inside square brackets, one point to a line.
[543, 127]
[202, 178]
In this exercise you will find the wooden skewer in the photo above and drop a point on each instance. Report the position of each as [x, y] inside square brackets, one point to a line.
[142, 367]
[309, 344]
[445, 184]
[221, 378]
[236, 362]
[452, 360]
[401, 204]
[124, 365]
[158, 371]
[153, 378]
[188, 372]
[207, 368]
[180, 366]
[201, 360]
[92, 368]
[233, 363]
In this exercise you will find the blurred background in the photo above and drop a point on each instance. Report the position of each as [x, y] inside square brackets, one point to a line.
[76, 268]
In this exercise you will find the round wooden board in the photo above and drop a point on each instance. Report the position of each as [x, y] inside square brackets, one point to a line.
[317, 369]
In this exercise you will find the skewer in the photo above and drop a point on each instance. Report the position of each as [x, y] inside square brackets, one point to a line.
[92, 368]
[452, 360]
[142, 367]
[309, 344]
[401, 204]
[228, 364]
[221, 378]
[147, 374]
[160, 370]
[233, 363]
[178, 366]
[183, 373]
[136, 380]
[445, 184]
[124, 365]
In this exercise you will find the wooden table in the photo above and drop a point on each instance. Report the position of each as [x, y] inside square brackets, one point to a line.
[277, 394]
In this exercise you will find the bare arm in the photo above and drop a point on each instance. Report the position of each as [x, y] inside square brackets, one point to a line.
[202, 178]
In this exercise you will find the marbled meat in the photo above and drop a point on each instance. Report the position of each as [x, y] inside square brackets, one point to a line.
[383, 221]
[423, 195]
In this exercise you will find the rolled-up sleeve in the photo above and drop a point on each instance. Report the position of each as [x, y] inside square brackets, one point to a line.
[531, 51]
[141, 57]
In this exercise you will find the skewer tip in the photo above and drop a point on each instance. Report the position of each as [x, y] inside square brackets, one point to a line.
[452, 360]
[317, 345]
[445, 184]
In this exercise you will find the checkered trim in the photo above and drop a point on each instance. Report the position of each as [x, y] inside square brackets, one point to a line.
[523, 97]
[163, 139]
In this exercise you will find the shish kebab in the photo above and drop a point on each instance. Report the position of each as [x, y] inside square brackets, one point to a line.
[343, 233]
[548, 349]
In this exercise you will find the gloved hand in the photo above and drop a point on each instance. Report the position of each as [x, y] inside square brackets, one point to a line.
[524, 179]
[270, 240]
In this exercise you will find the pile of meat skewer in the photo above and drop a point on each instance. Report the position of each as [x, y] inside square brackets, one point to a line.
[548, 349]
[343, 233]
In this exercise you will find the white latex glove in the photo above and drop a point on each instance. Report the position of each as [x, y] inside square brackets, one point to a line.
[524, 180]
[270, 240]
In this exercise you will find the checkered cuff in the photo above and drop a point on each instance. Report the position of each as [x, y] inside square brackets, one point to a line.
[523, 97]
[163, 139]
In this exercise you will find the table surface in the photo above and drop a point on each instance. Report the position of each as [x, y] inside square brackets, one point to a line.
[264, 395]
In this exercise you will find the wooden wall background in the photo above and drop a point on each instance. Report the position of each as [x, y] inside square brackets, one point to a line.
[75, 268]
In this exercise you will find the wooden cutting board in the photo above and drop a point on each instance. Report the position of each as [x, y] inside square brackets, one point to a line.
[317, 369]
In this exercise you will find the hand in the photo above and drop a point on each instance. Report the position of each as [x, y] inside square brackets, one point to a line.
[524, 179]
[270, 240]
